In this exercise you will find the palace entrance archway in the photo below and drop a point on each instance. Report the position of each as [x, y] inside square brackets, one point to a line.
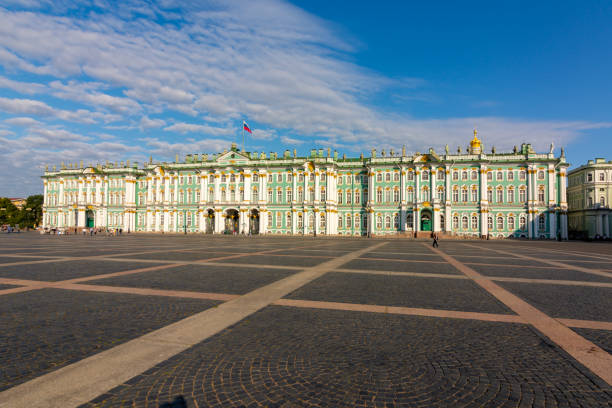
[426, 221]
[231, 221]
[254, 222]
[209, 221]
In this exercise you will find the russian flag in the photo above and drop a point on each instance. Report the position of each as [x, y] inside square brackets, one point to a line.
[246, 127]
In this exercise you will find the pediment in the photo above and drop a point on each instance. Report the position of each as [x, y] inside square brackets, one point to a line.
[232, 157]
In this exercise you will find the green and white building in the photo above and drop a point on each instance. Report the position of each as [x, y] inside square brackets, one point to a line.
[515, 194]
[589, 194]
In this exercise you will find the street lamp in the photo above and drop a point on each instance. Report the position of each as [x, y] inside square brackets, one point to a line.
[185, 222]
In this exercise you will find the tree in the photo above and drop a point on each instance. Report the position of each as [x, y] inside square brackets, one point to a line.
[32, 217]
[9, 214]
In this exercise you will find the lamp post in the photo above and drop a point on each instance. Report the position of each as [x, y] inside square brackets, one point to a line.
[185, 221]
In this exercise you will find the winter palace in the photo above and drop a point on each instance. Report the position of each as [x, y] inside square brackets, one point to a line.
[473, 194]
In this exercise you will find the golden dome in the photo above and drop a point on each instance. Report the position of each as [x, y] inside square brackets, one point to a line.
[475, 141]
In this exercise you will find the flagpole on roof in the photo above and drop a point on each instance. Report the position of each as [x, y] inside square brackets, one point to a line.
[243, 137]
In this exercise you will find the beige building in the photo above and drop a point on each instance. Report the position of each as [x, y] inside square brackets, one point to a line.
[589, 194]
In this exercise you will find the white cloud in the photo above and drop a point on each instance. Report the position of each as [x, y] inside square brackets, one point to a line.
[183, 128]
[291, 141]
[22, 87]
[147, 123]
[22, 121]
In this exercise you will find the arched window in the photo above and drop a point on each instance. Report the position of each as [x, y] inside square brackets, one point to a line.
[490, 196]
[232, 195]
[541, 195]
[410, 175]
[349, 196]
[409, 220]
[378, 176]
[349, 220]
[311, 177]
[396, 176]
[522, 175]
[425, 175]
[279, 219]
[500, 176]
[288, 220]
[232, 178]
[511, 225]
[474, 222]
[340, 197]
[490, 223]
[340, 221]
[500, 195]
[323, 222]
[301, 177]
[255, 178]
[474, 175]
[602, 201]
[357, 220]
[379, 196]
[540, 175]
[279, 178]
[455, 222]
[541, 223]
[396, 196]
[464, 175]
[387, 196]
[255, 194]
[425, 195]
[409, 195]
[474, 194]
[323, 194]
[464, 194]
[510, 195]
[500, 223]
[379, 222]
[223, 178]
[522, 195]
[440, 193]
[290, 195]
[300, 221]
[387, 176]
[489, 176]
[357, 197]
[312, 194]
[279, 195]
[300, 197]
[440, 174]
[455, 195]
[455, 175]
[387, 222]
[510, 175]
[522, 223]
[442, 224]
[269, 196]
[311, 223]
[464, 223]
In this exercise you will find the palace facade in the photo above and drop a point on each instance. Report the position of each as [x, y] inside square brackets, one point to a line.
[589, 195]
[514, 194]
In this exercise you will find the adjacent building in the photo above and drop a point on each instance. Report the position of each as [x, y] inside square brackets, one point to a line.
[472, 194]
[589, 194]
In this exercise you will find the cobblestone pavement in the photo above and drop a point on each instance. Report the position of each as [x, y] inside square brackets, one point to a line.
[46, 329]
[574, 302]
[289, 357]
[408, 291]
[197, 278]
[393, 324]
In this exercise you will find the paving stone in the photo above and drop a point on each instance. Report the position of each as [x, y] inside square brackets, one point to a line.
[573, 302]
[291, 357]
[196, 278]
[46, 329]
[404, 256]
[407, 291]
[553, 272]
[270, 259]
[57, 271]
[11, 259]
[3, 286]
[178, 256]
[401, 266]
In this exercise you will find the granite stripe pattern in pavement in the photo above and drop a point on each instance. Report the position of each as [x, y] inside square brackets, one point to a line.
[285, 357]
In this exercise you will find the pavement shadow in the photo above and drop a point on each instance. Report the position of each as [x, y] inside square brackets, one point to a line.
[179, 402]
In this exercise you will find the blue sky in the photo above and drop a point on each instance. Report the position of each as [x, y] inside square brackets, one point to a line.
[93, 81]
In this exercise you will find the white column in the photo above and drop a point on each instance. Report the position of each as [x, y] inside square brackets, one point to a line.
[263, 221]
[247, 187]
[80, 193]
[564, 225]
[203, 190]
[294, 189]
[219, 219]
[317, 193]
[552, 221]
[563, 188]
[263, 195]
[241, 221]
[293, 217]
[81, 217]
[216, 192]
[530, 223]
[60, 200]
[552, 198]
[447, 197]
[484, 202]
[317, 222]
[417, 184]
[599, 224]
[436, 220]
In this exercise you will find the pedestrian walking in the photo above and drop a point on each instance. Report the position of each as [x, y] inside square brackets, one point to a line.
[435, 240]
